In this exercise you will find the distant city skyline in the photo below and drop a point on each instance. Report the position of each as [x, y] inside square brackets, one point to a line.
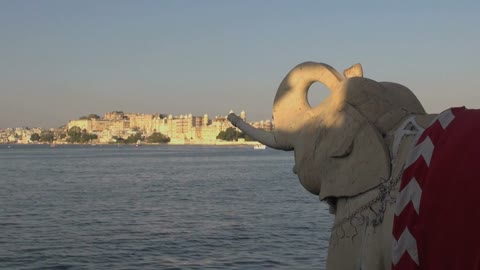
[65, 59]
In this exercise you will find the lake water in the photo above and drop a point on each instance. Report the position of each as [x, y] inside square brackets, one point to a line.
[157, 207]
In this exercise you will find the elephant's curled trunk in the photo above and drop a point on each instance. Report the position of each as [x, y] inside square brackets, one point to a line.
[260, 135]
[291, 107]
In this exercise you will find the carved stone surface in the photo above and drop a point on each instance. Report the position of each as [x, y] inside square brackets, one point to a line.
[350, 150]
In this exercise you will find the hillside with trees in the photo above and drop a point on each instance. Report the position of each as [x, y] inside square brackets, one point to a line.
[232, 134]
[77, 135]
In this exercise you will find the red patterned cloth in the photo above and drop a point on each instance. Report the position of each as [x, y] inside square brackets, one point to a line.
[437, 218]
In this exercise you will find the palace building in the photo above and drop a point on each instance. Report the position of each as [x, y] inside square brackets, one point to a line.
[183, 129]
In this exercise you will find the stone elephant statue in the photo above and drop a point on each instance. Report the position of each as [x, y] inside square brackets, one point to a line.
[396, 178]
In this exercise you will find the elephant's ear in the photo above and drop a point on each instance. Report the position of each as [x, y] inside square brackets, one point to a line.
[354, 157]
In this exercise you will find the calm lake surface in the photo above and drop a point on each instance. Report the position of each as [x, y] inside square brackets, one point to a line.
[157, 207]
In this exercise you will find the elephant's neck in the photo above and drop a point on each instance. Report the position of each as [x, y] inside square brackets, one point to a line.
[399, 128]
[373, 202]
[401, 137]
[367, 219]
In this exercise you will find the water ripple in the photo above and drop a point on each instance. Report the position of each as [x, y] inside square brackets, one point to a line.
[79, 207]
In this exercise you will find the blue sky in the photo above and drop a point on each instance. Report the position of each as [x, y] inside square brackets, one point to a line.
[60, 60]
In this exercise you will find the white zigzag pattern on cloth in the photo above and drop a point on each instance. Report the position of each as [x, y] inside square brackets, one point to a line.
[446, 118]
[407, 243]
[424, 149]
[413, 192]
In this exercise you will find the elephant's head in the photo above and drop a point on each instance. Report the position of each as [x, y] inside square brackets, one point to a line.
[339, 145]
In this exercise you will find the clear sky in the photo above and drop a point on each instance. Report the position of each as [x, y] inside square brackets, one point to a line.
[60, 60]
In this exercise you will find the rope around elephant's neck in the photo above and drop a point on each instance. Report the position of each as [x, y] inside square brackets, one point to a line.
[408, 127]
[384, 191]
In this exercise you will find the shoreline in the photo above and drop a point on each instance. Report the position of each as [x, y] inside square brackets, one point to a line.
[222, 143]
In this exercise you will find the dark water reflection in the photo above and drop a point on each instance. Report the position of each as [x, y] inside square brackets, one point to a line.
[163, 207]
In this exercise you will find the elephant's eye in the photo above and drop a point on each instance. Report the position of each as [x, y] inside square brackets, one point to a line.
[342, 150]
